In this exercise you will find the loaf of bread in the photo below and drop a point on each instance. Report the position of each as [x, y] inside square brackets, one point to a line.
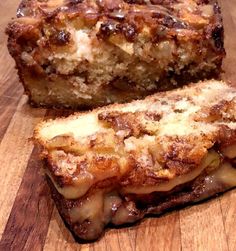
[86, 53]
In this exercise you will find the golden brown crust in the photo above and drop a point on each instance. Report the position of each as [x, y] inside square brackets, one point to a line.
[128, 17]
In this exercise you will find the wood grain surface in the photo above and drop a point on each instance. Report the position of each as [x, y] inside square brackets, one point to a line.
[28, 217]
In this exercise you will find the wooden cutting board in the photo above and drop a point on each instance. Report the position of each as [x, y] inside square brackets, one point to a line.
[28, 217]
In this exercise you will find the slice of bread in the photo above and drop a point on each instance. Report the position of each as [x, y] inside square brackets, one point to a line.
[117, 163]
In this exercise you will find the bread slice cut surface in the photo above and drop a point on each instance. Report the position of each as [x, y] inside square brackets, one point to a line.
[116, 164]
